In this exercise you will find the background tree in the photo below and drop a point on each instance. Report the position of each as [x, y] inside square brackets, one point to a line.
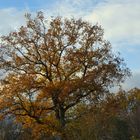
[52, 66]
[134, 112]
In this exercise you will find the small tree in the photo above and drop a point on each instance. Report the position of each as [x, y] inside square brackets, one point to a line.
[51, 66]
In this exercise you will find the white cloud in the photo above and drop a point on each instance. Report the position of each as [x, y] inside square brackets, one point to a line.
[11, 19]
[132, 82]
[67, 8]
[120, 20]
[129, 83]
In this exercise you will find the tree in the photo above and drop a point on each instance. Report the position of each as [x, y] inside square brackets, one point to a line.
[134, 112]
[105, 120]
[52, 66]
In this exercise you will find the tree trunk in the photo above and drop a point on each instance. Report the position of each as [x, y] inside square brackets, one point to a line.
[62, 118]
[60, 115]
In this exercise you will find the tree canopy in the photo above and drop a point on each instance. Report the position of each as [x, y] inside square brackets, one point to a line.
[51, 66]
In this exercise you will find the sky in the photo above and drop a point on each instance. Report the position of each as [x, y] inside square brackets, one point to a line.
[120, 20]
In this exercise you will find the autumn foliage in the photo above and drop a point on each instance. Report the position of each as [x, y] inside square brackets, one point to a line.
[51, 66]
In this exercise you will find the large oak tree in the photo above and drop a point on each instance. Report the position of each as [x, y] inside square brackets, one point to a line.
[51, 66]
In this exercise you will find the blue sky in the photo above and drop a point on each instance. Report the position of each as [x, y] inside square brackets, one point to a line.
[120, 20]
[23, 4]
[40, 4]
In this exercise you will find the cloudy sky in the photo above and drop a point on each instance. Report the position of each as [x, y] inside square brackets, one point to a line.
[119, 18]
